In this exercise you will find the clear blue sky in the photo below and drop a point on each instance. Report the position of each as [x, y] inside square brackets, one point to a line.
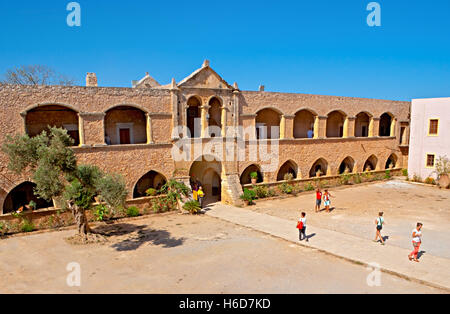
[319, 47]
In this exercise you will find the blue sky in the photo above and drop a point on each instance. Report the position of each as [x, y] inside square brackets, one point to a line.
[318, 47]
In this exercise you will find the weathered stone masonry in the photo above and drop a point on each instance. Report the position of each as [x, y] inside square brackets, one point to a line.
[129, 130]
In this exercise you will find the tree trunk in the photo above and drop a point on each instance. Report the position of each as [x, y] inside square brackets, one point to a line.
[81, 220]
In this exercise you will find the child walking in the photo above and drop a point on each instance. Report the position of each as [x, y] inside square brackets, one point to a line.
[301, 226]
[318, 200]
[379, 222]
[327, 201]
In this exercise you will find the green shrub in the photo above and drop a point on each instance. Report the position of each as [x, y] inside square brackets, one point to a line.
[309, 187]
[151, 192]
[254, 175]
[271, 192]
[405, 172]
[27, 226]
[387, 174]
[357, 179]
[248, 196]
[3, 228]
[430, 180]
[132, 211]
[100, 212]
[192, 207]
[32, 205]
[261, 191]
[286, 188]
[345, 178]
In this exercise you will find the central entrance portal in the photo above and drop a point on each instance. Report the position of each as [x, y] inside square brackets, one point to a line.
[207, 174]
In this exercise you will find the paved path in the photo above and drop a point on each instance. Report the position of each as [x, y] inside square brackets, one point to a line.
[431, 270]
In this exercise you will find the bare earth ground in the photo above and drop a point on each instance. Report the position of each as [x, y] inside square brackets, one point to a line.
[356, 208]
[182, 254]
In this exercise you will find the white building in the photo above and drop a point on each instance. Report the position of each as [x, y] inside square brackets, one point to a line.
[430, 135]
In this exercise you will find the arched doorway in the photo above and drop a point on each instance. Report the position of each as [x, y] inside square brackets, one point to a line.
[392, 160]
[151, 179]
[40, 118]
[193, 116]
[125, 125]
[347, 165]
[320, 165]
[245, 176]
[206, 172]
[371, 163]
[304, 124]
[268, 124]
[215, 117]
[386, 121]
[22, 195]
[288, 167]
[362, 123]
[335, 124]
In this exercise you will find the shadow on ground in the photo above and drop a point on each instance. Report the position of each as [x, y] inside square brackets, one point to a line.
[136, 236]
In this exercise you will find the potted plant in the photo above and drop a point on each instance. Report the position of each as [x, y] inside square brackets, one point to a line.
[254, 177]
[443, 170]
[248, 197]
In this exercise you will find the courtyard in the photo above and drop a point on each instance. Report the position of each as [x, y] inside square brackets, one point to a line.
[176, 253]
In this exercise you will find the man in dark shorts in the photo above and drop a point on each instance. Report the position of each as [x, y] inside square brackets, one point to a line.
[318, 200]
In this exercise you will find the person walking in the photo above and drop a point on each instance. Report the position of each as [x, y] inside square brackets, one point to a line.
[301, 226]
[417, 241]
[201, 196]
[379, 223]
[195, 192]
[327, 201]
[318, 200]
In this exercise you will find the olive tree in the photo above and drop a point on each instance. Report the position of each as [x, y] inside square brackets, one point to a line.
[54, 169]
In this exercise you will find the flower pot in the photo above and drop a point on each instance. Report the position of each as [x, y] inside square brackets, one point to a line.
[254, 181]
[444, 181]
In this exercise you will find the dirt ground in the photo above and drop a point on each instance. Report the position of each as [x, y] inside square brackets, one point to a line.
[355, 209]
[182, 254]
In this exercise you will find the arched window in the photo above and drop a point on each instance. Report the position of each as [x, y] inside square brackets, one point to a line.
[371, 163]
[304, 124]
[319, 168]
[288, 167]
[22, 195]
[245, 176]
[125, 125]
[151, 179]
[40, 118]
[362, 123]
[268, 124]
[386, 122]
[215, 117]
[193, 116]
[347, 165]
[335, 124]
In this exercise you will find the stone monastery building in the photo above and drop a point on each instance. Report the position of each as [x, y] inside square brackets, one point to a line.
[130, 131]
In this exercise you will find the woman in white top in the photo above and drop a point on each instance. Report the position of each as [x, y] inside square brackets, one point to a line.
[379, 222]
[417, 241]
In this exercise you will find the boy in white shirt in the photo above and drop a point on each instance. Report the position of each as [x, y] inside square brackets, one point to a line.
[302, 228]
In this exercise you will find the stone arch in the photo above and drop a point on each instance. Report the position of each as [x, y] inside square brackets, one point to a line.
[206, 171]
[320, 164]
[336, 123]
[35, 106]
[304, 123]
[371, 163]
[362, 124]
[392, 159]
[22, 195]
[131, 105]
[125, 125]
[215, 116]
[288, 167]
[267, 123]
[245, 176]
[39, 118]
[151, 179]
[348, 164]
[193, 114]
[387, 123]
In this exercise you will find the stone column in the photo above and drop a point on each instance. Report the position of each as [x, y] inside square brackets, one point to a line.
[349, 127]
[282, 127]
[24, 125]
[175, 113]
[322, 127]
[223, 121]
[316, 127]
[393, 126]
[204, 121]
[81, 130]
[149, 129]
[374, 127]
[289, 126]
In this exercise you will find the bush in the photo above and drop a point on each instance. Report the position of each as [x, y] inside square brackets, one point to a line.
[345, 178]
[416, 178]
[442, 165]
[27, 226]
[3, 228]
[248, 196]
[430, 180]
[405, 172]
[151, 192]
[261, 191]
[100, 212]
[132, 211]
[286, 188]
[387, 174]
[309, 187]
[271, 192]
[357, 179]
[32, 205]
[192, 207]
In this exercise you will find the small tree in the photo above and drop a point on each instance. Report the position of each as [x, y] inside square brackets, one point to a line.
[35, 75]
[55, 172]
[442, 165]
